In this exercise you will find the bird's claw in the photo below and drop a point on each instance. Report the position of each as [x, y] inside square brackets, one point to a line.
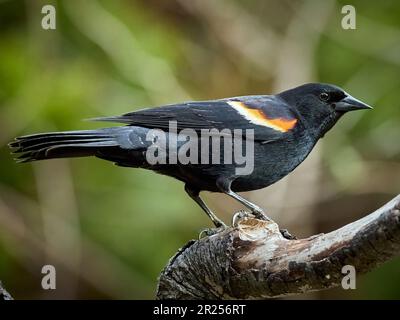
[207, 232]
[241, 214]
[259, 214]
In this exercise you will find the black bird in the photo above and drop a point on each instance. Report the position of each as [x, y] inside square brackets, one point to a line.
[286, 127]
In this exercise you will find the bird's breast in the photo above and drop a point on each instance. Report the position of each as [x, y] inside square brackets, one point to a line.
[273, 161]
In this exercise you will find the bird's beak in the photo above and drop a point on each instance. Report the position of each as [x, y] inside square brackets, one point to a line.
[349, 103]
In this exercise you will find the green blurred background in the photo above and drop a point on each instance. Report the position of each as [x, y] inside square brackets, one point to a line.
[108, 230]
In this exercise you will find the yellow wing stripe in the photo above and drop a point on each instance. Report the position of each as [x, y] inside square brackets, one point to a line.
[260, 118]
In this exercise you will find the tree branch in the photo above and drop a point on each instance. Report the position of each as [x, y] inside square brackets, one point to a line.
[254, 261]
[4, 295]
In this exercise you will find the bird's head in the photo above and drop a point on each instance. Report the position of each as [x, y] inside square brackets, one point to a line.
[321, 105]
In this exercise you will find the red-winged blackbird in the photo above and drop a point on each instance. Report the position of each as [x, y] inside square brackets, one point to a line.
[286, 128]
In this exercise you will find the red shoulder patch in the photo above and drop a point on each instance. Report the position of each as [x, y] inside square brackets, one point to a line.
[260, 118]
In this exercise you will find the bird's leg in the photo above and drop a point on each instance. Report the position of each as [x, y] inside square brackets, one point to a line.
[225, 187]
[256, 210]
[194, 194]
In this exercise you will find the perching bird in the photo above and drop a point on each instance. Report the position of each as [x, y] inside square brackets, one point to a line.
[286, 127]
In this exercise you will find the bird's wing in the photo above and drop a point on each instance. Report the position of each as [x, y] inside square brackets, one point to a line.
[269, 117]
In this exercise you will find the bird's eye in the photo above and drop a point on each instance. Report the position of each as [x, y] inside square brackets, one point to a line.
[324, 96]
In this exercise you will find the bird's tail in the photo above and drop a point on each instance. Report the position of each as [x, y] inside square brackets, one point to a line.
[64, 144]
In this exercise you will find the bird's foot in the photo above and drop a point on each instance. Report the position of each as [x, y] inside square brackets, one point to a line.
[260, 214]
[207, 232]
[257, 213]
[241, 214]
[244, 214]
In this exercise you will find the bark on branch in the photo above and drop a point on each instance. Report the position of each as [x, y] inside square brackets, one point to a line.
[254, 261]
[4, 295]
